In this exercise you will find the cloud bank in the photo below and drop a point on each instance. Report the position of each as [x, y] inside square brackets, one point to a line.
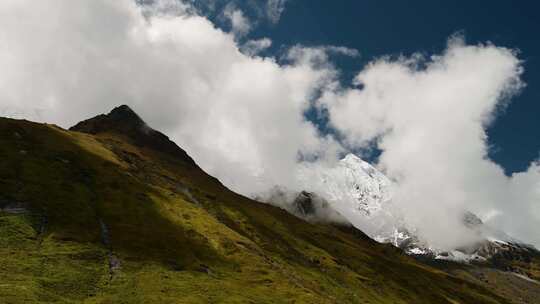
[429, 115]
[241, 116]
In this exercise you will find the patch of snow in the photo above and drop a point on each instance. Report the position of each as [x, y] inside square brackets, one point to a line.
[418, 251]
[459, 256]
[495, 240]
[454, 255]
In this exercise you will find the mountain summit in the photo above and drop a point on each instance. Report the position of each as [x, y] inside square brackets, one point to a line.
[357, 185]
[122, 120]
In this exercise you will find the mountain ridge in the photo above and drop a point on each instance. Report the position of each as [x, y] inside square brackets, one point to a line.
[123, 120]
[100, 217]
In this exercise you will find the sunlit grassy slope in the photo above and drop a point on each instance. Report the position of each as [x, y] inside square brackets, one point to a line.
[108, 221]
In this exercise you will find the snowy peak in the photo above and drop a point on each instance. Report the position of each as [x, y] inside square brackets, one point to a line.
[368, 186]
[362, 194]
[351, 185]
[354, 162]
[354, 192]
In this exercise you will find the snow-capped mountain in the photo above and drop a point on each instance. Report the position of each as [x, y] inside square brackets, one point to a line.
[351, 185]
[363, 196]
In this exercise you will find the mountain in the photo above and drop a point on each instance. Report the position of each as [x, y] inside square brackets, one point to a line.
[112, 211]
[363, 195]
[123, 121]
[351, 184]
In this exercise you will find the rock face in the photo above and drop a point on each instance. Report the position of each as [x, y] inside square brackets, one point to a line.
[121, 119]
[124, 121]
[304, 204]
[471, 220]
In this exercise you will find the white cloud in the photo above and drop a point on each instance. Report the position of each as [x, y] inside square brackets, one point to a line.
[318, 55]
[274, 9]
[240, 24]
[68, 60]
[342, 50]
[254, 47]
[429, 117]
[165, 8]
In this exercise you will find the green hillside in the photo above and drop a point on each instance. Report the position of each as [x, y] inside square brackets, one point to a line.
[121, 215]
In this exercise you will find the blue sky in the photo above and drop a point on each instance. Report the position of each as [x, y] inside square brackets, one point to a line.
[380, 28]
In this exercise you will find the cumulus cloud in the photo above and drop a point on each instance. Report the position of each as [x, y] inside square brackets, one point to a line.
[240, 24]
[428, 116]
[67, 60]
[255, 46]
[242, 116]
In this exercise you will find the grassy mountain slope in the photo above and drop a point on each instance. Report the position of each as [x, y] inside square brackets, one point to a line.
[114, 217]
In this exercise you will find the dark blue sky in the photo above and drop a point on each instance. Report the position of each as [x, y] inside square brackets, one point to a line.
[378, 27]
